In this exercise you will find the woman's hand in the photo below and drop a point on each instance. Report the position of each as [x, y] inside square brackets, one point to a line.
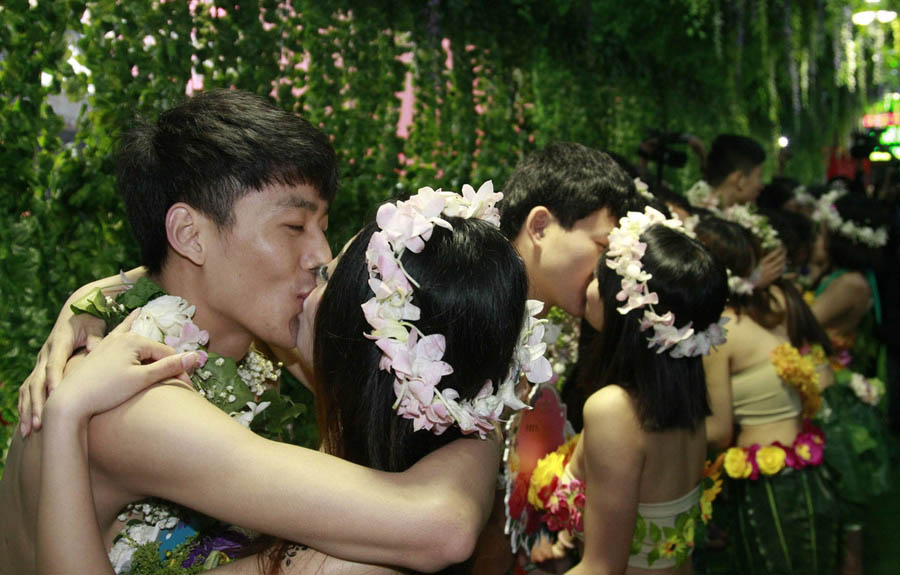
[70, 333]
[772, 266]
[117, 369]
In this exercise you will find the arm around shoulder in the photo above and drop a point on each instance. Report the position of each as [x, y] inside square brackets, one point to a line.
[423, 519]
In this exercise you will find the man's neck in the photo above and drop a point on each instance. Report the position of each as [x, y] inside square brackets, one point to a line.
[530, 258]
[725, 194]
[225, 336]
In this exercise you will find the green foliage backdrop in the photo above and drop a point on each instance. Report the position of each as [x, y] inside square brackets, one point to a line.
[524, 73]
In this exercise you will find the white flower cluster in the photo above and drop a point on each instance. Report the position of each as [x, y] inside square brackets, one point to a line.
[701, 195]
[144, 520]
[868, 390]
[643, 189]
[258, 372]
[745, 216]
[826, 213]
[743, 286]
[167, 319]
[416, 358]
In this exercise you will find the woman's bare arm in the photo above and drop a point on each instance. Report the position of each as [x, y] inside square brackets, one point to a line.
[614, 460]
[68, 537]
[843, 303]
[69, 333]
[171, 443]
[720, 424]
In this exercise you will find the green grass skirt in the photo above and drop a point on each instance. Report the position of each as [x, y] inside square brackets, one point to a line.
[785, 524]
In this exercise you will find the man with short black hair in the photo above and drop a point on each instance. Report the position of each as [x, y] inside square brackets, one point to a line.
[229, 198]
[558, 207]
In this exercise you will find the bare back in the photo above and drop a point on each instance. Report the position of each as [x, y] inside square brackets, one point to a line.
[625, 465]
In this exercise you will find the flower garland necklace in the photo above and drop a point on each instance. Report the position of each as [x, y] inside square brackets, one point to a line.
[747, 217]
[800, 372]
[415, 358]
[701, 195]
[243, 390]
[239, 389]
[624, 256]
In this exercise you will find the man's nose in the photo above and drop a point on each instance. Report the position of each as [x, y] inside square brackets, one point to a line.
[319, 252]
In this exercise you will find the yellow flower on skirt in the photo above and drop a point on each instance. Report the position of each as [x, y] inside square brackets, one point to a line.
[770, 459]
[736, 463]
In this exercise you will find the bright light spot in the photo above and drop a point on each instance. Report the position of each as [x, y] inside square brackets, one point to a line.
[885, 16]
[880, 157]
[873, 1]
[46, 79]
[864, 18]
[895, 96]
[783, 142]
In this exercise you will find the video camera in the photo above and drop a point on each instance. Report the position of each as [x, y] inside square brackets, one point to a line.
[657, 147]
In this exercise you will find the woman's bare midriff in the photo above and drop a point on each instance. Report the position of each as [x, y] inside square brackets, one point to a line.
[784, 431]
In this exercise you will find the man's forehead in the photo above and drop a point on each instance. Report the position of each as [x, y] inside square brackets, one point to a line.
[303, 197]
[600, 221]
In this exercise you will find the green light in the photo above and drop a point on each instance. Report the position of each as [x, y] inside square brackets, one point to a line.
[891, 135]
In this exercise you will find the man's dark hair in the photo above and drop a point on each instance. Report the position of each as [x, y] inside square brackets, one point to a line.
[209, 152]
[730, 153]
[570, 180]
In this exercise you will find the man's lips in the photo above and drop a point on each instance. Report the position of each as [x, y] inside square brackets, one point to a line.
[302, 297]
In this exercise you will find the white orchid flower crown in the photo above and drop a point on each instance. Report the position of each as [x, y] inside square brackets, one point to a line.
[624, 256]
[414, 357]
[826, 213]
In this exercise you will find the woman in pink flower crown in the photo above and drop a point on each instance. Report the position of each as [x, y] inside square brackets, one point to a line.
[656, 302]
[779, 506]
[419, 330]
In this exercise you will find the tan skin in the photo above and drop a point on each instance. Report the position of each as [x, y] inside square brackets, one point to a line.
[748, 345]
[424, 519]
[843, 305]
[624, 464]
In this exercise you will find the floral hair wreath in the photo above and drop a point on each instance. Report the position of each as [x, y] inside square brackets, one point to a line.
[414, 357]
[624, 256]
[826, 212]
[738, 285]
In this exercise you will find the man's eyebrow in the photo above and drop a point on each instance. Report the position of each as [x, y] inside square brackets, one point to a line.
[298, 202]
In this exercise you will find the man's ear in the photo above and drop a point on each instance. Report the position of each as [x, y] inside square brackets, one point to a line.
[185, 232]
[736, 179]
[537, 222]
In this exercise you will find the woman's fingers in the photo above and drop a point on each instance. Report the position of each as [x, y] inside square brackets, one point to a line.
[169, 367]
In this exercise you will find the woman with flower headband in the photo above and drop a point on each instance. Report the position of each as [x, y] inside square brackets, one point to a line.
[854, 232]
[847, 302]
[780, 507]
[656, 302]
[419, 339]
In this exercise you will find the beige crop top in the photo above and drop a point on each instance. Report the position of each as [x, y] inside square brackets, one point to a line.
[759, 396]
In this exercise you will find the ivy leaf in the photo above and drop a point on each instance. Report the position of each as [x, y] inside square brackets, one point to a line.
[140, 293]
[655, 533]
